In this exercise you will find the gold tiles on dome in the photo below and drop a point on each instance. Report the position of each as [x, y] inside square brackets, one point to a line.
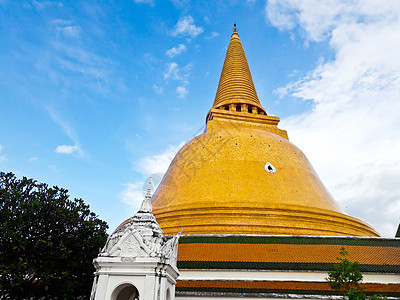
[218, 184]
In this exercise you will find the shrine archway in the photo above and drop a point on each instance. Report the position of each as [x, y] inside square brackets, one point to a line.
[125, 291]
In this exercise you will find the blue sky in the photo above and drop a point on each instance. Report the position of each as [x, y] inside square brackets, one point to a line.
[96, 96]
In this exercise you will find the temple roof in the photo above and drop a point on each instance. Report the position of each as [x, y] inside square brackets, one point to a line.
[230, 259]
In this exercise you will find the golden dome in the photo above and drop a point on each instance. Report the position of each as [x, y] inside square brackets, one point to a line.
[218, 184]
[243, 176]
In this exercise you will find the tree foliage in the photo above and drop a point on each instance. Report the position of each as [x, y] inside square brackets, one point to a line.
[346, 278]
[47, 241]
[345, 275]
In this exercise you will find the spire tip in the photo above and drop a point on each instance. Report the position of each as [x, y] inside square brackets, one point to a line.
[234, 28]
[148, 193]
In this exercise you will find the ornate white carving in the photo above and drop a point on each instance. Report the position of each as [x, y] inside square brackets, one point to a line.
[141, 236]
[170, 248]
[140, 254]
[130, 248]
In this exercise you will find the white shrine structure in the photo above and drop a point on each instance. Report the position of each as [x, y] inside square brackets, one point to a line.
[138, 260]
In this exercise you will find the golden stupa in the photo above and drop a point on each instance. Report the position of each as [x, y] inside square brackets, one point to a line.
[243, 176]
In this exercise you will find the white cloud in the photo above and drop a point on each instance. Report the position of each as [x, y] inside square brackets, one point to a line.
[280, 14]
[185, 27]
[61, 22]
[151, 2]
[67, 28]
[319, 19]
[65, 127]
[158, 163]
[70, 31]
[176, 50]
[78, 60]
[154, 166]
[181, 4]
[40, 5]
[67, 149]
[173, 71]
[158, 89]
[351, 136]
[67, 54]
[3, 157]
[181, 91]
[212, 35]
[33, 159]
[132, 194]
[52, 167]
[181, 74]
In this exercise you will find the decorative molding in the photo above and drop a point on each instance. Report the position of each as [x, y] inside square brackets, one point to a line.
[142, 236]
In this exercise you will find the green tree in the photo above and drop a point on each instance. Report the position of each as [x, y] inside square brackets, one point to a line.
[346, 278]
[345, 275]
[47, 241]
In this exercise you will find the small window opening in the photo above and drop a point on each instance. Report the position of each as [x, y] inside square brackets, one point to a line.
[238, 107]
[226, 107]
[269, 168]
[249, 109]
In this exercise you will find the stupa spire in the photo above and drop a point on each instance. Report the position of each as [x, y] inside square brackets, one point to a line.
[146, 204]
[148, 192]
[236, 85]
